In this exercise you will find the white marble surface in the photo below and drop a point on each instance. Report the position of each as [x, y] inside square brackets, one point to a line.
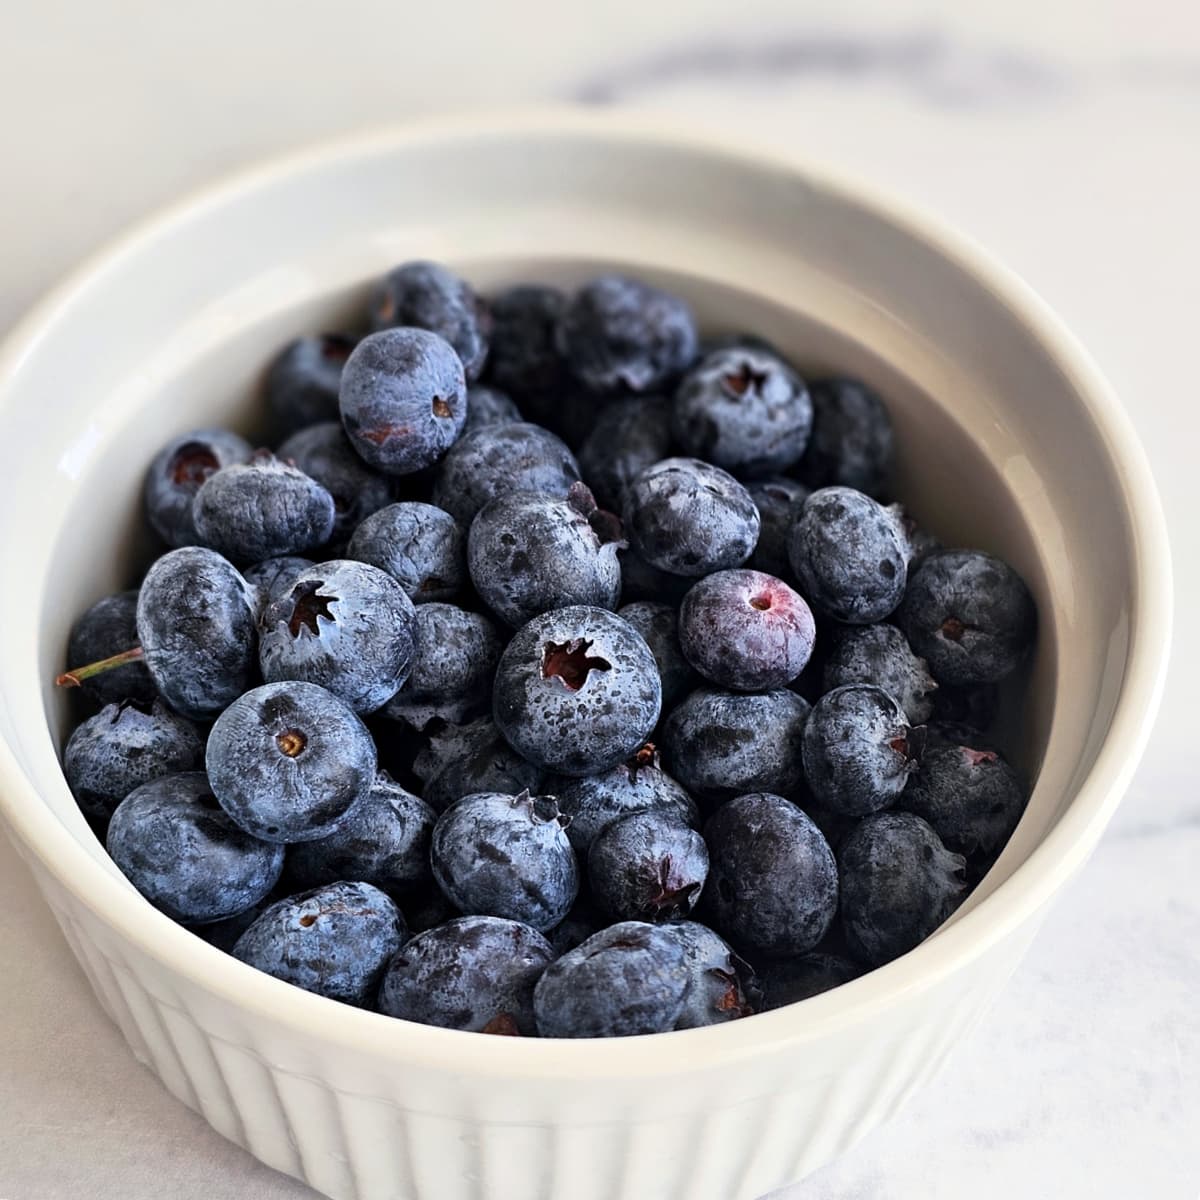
[1064, 136]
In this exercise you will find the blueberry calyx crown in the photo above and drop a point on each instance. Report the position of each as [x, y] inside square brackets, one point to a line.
[307, 606]
[605, 525]
[745, 378]
[570, 662]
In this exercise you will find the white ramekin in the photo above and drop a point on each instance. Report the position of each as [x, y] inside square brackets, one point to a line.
[1008, 439]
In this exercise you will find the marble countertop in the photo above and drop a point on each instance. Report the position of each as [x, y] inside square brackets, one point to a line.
[1064, 137]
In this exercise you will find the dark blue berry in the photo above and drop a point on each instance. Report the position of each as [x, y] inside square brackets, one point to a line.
[489, 406]
[289, 761]
[794, 979]
[506, 856]
[474, 973]
[779, 502]
[975, 704]
[403, 399]
[422, 547]
[690, 518]
[629, 435]
[577, 690]
[461, 760]
[273, 577]
[850, 556]
[576, 927]
[969, 615]
[721, 985]
[880, 655]
[303, 380]
[524, 360]
[107, 628]
[174, 843]
[641, 581]
[177, 473]
[898, 884]
[852, 442]
[335, 940]
[659, 625]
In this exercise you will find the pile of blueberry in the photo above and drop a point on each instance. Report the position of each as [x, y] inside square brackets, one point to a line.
[560, 674]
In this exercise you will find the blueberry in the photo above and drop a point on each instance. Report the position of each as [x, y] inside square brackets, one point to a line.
[524, 360]
[850, 556]
[969, 615]
[335, 940]
[506, 856]
[659, 625]
[898, 884]
[647, 867]
[639, 785]
[629, 435]
[383, 840]
[110, 627]
[772, 879]
[880, 655]
[403, 399]
[461, 760]
[528, 554]
[304, 377]
[422, 547]
[743, 410]
[172, 841]
[628, 979]
[289, 761]
[123, 746]
[746, 630]
[851, 443]
[490, 406]
[177, 473]
[475, 973]
[641, 581]
[859, 749]
[690, 518]
[617, 333]
[262, 509]
[344, 625]
[274, 577]
[723, 744]
[779, 502]
[488, 462]
[721, 986]
[195, 621]
[430, 297]
[794, 979]
[324, 453]
[576, 691]
[454, 659]
[970, 796]
[975, 704]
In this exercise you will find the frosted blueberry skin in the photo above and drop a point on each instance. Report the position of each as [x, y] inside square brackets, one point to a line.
[690, 518]
[659, 625]
[721, 985]
[273, 577]
[880, 655]
[794, 979]
[420, 546]
[772, 879]
[849, 555]
[779, 502]
[260, 509]
[346, 626]
[488, 462]
[576, 691]
[335, 941]
[506, 856]
[107, 628]
[528, 554]
[303, 380]
[323, 452]
[289, 761]
[461, 760]
[617, 332]
[177, 473]
[647, 867]
[383, 840]
[743, 410]
[195, 622]
[628, 979]
[852, 444]
[454, 659]
[403, 399]
[629, 435]
[524, 361]
[490, 406]
[473, 973]
[123, 746]
[969, 615]
[746, 631]
[173, 842]
[722, 744]
[427, 296]
[898, 884]
[859, 750]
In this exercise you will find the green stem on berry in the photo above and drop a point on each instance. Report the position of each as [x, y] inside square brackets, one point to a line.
[76, 676]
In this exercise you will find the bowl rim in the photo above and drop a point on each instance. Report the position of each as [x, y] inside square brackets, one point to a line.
[1015, 901]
